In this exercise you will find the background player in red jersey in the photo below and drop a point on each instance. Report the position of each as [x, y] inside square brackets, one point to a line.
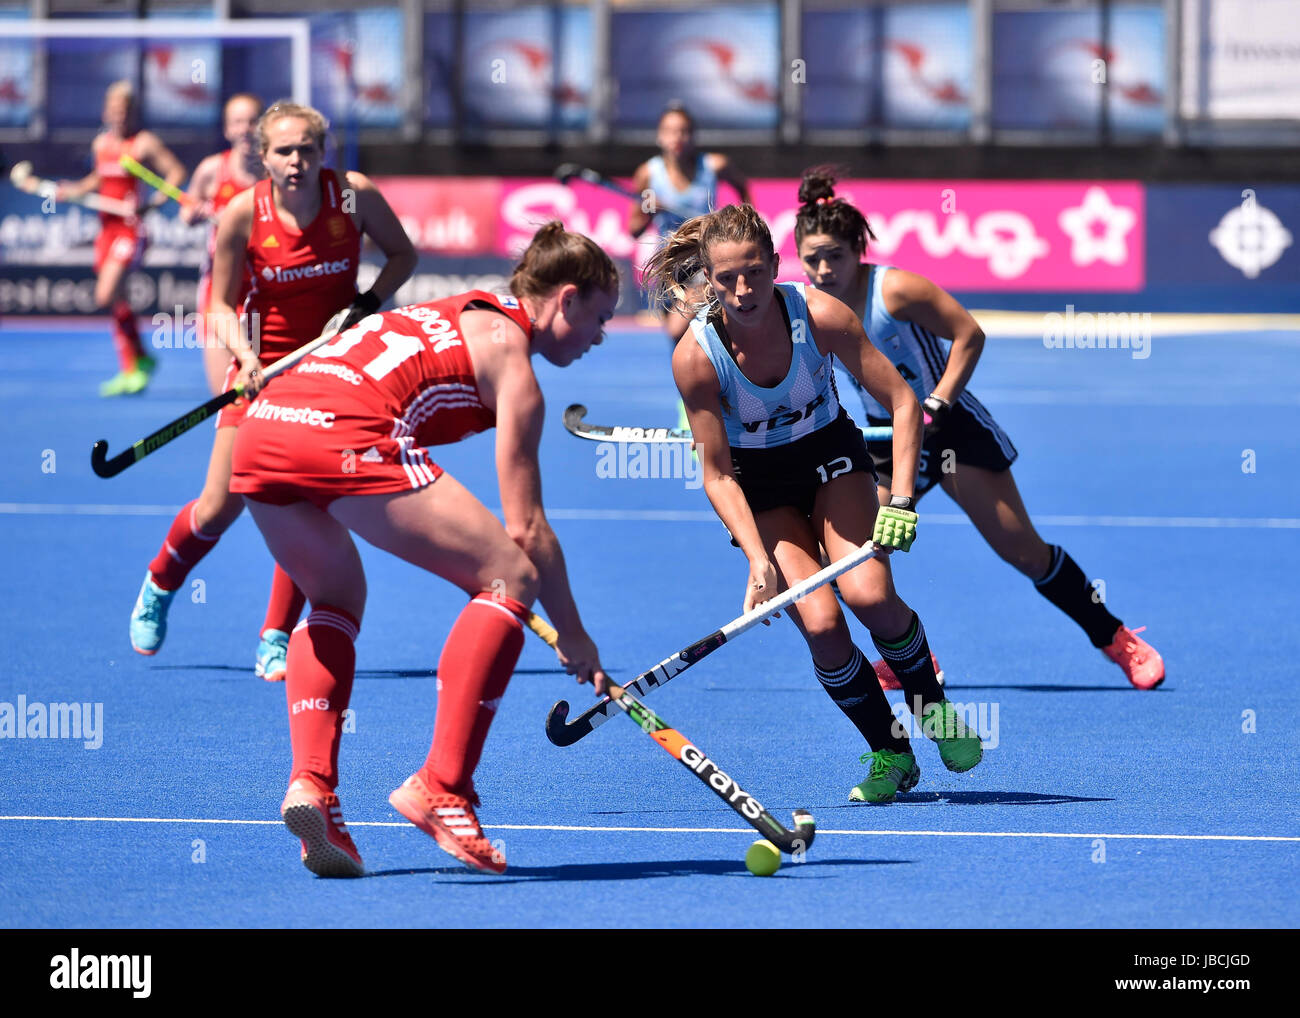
[120, 242]
[216, 180]
[337, 446]
[299, 231]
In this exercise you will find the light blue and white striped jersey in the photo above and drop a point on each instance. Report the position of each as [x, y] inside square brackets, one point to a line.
[919, 355]
[805, 400]
[698, 199]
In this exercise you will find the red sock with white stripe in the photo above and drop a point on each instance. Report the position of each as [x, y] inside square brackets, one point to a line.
[181, 551]
[318, 685]
[285, 603]
[475, 667]
[126, 337]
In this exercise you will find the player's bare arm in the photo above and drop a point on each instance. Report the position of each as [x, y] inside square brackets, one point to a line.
[727, 172]
[153, 153]
[913, 298]
[201, 189]
[837, 330]
[698, 384]
[222, 325]
[638, 219]
[376, 219]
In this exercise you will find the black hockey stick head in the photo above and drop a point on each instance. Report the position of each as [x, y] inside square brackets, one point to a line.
[557, 731]
[573, 416]
[793, 843]
[805, 829]
[103, 466]
[567, 171]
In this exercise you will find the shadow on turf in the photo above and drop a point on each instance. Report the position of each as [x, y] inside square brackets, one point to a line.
[1044, 688]
[582, 872]
[361, 673]
[980, 799]
[912, 799]
[957, 690]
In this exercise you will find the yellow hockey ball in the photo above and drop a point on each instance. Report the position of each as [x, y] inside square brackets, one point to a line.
[763, 859]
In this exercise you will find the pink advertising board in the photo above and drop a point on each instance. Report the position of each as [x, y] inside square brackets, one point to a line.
[982, 235]
[965, 235]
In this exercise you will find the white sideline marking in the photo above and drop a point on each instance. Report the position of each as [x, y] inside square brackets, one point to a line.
[705, 516]
[692, 830]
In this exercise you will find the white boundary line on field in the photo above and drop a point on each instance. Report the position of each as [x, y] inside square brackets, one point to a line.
[684, 830]
[705, 516]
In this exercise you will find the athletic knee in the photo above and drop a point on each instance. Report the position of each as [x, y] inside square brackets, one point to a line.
[513, 576]
[826, 632]
[217, 510]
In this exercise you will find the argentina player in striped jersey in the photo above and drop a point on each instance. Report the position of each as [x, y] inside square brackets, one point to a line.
[682, 179]
[935, 344]
[788, 473]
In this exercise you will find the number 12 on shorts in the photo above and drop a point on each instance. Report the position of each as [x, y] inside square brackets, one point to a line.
[839, 465]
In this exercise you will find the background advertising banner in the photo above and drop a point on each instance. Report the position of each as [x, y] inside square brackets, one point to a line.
[1051, 68]
[723, 64]
[522, 67]
[1012, 244]
[1241, 59]
[896, 66]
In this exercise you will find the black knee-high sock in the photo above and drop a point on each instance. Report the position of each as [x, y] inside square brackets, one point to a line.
[854, 688]
[909, 656]
[1067, 588]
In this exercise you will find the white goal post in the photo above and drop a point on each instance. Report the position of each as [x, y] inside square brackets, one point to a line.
[297, 31]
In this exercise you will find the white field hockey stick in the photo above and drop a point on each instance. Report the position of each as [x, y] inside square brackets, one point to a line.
[563, 734]
[575, 425]
[105, 467]
[22, 177]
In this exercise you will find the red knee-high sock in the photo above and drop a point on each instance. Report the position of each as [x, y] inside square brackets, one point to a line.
[126, 337]
[473, 672]
[285, 603]
[181, 551]
[318, 685]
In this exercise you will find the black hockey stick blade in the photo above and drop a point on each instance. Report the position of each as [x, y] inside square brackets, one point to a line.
[106, 467]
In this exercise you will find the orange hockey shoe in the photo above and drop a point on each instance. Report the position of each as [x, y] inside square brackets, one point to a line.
[449, 819]
[314, 815]
[1144, 667]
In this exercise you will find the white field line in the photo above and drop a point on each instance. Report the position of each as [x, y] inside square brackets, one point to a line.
[681, 830]
[705, 516]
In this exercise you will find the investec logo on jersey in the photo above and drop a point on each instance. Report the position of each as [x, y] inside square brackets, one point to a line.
[787, 418]
[720, 782]
[291, 275]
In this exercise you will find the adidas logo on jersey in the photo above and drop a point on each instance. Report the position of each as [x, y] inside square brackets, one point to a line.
[271, 241]
[372, 455]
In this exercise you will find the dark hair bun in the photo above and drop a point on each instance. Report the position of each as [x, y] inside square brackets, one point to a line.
[818, 182]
